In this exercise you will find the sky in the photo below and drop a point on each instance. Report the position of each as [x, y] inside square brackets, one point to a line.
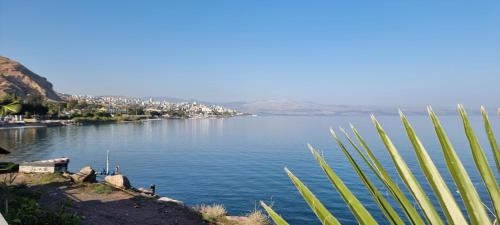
[408, 53]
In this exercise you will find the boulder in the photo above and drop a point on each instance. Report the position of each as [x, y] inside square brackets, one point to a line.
[86, 174]
[165, 199]
[145, 191]
[118, 181]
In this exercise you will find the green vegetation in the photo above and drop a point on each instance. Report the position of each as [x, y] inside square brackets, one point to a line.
[476, 210]
[101, 188]
[20, 207]
[48, 178]
[6, 167]
[9, 106]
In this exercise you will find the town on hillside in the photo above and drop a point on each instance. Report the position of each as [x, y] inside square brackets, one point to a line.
[83, 109]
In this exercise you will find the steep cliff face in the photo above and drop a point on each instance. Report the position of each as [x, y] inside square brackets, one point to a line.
[18, 80]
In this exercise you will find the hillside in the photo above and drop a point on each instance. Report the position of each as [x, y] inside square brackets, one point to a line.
[18, 80]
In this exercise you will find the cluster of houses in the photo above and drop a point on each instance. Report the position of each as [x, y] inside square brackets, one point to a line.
[12, 119]
[122, 105]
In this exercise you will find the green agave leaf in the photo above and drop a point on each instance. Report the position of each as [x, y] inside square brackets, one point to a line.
[318, 208]
[389, 212]
[14, 107]
[410, 211]
[475, 209]
[481, 162]
[491, 138]
[409, 179]
[359, 211]
[447, 201]
[274, 216]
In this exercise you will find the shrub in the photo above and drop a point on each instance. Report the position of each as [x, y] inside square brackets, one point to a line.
[23, 209]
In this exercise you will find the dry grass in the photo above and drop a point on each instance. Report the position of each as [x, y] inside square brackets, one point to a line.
[256, 218]
[212, 213]
[48, 178]
[216, 214]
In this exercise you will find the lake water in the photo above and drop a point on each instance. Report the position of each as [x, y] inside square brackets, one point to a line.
[239, 161]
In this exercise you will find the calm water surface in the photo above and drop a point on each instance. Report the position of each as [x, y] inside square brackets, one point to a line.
[239, 161]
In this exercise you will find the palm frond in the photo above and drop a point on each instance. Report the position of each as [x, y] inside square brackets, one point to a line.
[325, 217]
[274, 216]
[481, 162]
[447, 201]
[474, 206]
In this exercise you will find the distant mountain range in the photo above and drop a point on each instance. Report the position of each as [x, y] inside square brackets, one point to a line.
[16, 79]
[19, 80]
[305, 108]
[285, 107]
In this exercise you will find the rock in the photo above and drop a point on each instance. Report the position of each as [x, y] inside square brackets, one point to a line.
[165, 199]
[118, 181]
[19, 81]
[145, 191]
[86, 174]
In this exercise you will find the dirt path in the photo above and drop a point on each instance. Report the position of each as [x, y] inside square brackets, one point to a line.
[114, 207]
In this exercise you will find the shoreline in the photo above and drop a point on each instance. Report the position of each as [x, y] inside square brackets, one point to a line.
[61, 123]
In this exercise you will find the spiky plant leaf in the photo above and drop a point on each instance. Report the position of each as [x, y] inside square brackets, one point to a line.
[278, 220]
[359, 211]
[491, 138]
[409, 179]
[447, 201]
[13, 107]
[481, 162]
[388, 211]
[410, 211]
[317, 207]
[475, 209]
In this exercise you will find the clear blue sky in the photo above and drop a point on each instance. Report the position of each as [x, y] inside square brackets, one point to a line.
[340, 52]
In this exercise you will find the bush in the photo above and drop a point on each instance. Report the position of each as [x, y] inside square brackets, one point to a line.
[23, 209]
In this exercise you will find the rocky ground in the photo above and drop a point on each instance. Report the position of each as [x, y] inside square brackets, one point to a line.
[107, 206]
[103, 204]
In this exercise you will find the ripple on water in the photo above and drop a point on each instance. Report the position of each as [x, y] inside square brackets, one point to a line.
[239, 161]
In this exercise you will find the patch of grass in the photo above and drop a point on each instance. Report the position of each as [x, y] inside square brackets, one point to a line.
[256, 218]
[212, 213]
[101, 188]
[216, 214]
[48, 178]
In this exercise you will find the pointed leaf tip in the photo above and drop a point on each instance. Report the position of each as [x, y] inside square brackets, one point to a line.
[400, 113]
[341, 129]
[333, 133]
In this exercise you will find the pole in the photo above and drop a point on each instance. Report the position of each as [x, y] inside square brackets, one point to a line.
[107, 162]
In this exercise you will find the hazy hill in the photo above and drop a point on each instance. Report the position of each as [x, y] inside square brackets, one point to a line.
[18, 80]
